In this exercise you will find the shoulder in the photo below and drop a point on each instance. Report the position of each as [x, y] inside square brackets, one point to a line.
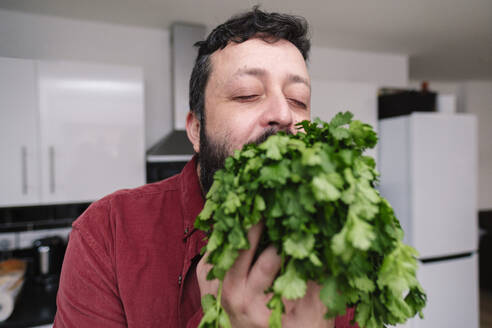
[122, 208]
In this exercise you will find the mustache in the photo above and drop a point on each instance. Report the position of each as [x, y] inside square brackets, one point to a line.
[269, 132]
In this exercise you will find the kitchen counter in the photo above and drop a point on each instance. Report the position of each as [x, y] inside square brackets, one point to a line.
[36, 306]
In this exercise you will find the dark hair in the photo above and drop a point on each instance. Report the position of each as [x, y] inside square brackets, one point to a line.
[270, 27]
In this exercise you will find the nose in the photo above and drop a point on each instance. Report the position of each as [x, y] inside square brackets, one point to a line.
[277, 113]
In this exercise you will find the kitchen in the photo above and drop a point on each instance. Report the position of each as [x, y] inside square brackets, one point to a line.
[55, 42]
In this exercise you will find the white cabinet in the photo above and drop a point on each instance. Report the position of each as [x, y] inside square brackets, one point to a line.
[76, 134]
[19, 158]
[91, 124]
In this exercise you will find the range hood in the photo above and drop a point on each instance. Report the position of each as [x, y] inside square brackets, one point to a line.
[176, 146]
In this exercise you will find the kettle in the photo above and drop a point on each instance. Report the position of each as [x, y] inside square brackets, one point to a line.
[48, 259]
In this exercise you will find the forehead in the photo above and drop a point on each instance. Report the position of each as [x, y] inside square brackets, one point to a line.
[277, 58]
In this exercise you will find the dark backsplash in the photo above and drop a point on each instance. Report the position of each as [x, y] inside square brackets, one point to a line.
[157, 171]
[39, 217]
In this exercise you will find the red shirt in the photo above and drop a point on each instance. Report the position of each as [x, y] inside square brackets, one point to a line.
[132, 256]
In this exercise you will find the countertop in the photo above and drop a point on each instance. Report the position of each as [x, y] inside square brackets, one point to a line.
[36, 306]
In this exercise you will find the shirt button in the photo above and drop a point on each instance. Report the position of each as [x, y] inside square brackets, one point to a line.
[179, 279]
[186, 231]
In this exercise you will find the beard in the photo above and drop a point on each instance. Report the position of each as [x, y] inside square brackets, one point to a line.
[213, 154]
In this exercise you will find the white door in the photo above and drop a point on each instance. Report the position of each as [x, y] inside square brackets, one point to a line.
[91, 130]
[443, 174]
[452, 294]
[19, 176]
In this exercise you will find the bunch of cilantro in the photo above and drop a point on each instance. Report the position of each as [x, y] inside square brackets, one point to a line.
[315, 192]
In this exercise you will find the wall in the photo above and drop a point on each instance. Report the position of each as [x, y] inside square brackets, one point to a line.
[478, 100]
[348, 80]
[34, 36]
[389, 70]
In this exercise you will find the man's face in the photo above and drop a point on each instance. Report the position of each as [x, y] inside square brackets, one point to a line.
[255, 89]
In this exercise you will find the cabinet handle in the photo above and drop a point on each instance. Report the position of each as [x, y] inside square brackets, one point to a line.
[24, 169]
[52, 169]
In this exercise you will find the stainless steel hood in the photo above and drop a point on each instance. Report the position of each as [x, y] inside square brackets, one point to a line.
[176, 146]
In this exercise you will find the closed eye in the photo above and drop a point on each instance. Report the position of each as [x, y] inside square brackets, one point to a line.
[298, 103]
[246, 98]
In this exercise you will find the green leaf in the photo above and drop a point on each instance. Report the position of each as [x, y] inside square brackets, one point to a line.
[299, 246]
[360, 233]
[259, 203]
[215, 240]
[363, 134]
[249, 153]
[315, 259]
[339, 243]
[224, 320]
[231, 203]
[207, 211]
[305, 197]
[335, 179]
[296, 144]
[398, 270]
[323, 189]
[310, 157]
[208, 302]
[210, 315]
[363, 312]
[216, 186]
[290, 285]
[341, 119]
[253, 164]
[368, 192]
[340, 133]
[237, 238]
[274, 175]
[223, 263]
[275, 146]
[332, 298]
[363, 283]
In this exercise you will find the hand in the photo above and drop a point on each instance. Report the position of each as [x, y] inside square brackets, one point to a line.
[243, 295]
[308, 311]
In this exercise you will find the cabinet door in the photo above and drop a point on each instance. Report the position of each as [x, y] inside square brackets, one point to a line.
[92, 137]
[19, 176]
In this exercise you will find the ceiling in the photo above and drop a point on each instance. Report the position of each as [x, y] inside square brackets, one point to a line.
[445, 39]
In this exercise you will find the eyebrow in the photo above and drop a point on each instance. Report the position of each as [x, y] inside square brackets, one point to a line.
[260, 72]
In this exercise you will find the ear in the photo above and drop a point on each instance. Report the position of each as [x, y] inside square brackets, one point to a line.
[193, 130]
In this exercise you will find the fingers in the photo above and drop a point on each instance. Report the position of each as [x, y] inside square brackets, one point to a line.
[206, 286]
[264, 270]
[307, 311]
[240, 268]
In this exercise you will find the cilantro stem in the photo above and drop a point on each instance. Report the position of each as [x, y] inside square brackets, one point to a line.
[282, 266]
[219, 304]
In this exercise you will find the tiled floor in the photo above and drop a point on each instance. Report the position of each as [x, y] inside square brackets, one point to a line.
[485, 309]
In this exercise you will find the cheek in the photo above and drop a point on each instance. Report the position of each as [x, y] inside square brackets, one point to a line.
[241, 130]
[301, 116]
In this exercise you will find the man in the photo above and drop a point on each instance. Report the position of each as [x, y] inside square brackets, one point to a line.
[133, 257]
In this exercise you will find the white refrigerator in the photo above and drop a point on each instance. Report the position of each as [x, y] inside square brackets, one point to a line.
[428, 166]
